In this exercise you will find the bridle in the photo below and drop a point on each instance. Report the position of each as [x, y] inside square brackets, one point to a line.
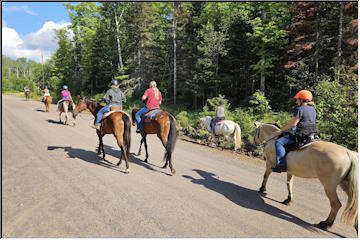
[265, 141]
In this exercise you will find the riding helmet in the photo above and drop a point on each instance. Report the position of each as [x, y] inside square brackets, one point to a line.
[304, 94]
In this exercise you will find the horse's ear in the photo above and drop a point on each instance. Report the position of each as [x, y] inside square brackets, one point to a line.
[257, 124]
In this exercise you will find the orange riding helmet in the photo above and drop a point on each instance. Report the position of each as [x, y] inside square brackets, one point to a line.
[304, 94]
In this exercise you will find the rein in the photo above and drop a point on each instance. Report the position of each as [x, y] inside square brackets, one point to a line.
[267, 140]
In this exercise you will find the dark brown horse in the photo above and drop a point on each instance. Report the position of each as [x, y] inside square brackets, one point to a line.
[117, 123]
[47, 102]
[164, 125]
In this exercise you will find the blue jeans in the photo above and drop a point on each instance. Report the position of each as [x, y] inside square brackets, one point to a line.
[138, 117]
[100, 113]
[280, 150]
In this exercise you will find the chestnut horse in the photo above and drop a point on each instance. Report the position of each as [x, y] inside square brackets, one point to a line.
[47, 102]
[332, 164]
[118, 123]
[164, 125]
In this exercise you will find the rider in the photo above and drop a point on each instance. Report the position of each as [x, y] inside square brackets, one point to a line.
[113, 97]
[220, 115]
[26, 89]
[65, 96]
[153, 98]
[46, 93]
[304, 121]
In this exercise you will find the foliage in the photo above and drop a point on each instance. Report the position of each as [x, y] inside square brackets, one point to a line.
[259, 103]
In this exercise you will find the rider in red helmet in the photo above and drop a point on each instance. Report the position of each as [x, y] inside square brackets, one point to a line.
[303, 120]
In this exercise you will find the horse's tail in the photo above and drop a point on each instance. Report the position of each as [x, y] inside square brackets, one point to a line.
[127, 133]
[237, 136]
[172, 135]
[351, 210]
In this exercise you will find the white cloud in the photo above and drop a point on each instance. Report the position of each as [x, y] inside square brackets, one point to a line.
[30, 45]
[23, 8]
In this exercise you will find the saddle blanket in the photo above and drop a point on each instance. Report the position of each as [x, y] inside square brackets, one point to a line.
[151, 114]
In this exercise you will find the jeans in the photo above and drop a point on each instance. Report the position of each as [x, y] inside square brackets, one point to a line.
[100, 113]
[280, 150]
[138, 117]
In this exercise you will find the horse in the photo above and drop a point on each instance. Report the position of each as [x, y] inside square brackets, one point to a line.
[332, 164]
[164, 125]
[63, 107]
[117, 123]
[225, 128]
[27, 94]
[47, 102]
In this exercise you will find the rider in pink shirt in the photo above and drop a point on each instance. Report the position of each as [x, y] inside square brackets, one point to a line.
[153, 101]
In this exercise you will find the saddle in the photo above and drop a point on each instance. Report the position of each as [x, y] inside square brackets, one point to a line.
[302, 142]
[150, 115]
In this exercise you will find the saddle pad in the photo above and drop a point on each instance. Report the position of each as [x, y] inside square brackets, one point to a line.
[151, 114]
[220, 122]
[296, 146]
[109, 113]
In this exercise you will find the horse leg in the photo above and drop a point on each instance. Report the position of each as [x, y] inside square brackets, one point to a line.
[290, 180]
[120, 142]
[146, 149]
[60, 117]
[141, 142]
[335, 204]
[169, 160]
[265, 179]
[100, 142]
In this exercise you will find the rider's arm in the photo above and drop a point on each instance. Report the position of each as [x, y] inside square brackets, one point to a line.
[292, 123]
[144, 97]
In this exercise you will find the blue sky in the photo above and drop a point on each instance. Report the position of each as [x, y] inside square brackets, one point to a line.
[27, 17]
[28, 27]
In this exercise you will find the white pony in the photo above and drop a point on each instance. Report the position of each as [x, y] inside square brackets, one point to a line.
[225, 128]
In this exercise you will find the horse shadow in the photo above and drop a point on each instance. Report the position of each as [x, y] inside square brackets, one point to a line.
[40, 110]
[54, 122]
[88, 156]
[245, 198]
[135, 159]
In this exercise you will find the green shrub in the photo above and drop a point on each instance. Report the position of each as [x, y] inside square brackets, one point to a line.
[259, 103]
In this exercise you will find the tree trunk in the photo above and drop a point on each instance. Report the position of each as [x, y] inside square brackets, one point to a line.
[339, 41]
[118, 37]
[174, 39]
[262, 77]
[317, 45]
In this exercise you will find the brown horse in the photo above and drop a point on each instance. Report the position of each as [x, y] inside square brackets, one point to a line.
[63, 107]
[47, 102]
[27, 94]
[164, 125]
[118, 123]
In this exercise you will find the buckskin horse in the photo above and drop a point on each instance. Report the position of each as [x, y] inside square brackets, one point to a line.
[47, 102]
[27, 94]
[115, 122]
[332, 164]
[163, 124]
[63, 107]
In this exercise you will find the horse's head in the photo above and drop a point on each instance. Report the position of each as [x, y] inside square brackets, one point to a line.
[81, 106]
[264, 132]
[205, 121]
[133, 112]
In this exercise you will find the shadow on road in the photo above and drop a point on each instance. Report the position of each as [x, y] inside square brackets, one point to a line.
[88, 156]
[54, 122]
[92, 157]
[245, 197]
[39, 110]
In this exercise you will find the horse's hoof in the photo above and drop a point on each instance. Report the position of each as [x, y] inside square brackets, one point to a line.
[145, 160]
[173, 172]
[286, 202]
[324, 225]
[138, 154]
[127, 171]
[262, 190]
